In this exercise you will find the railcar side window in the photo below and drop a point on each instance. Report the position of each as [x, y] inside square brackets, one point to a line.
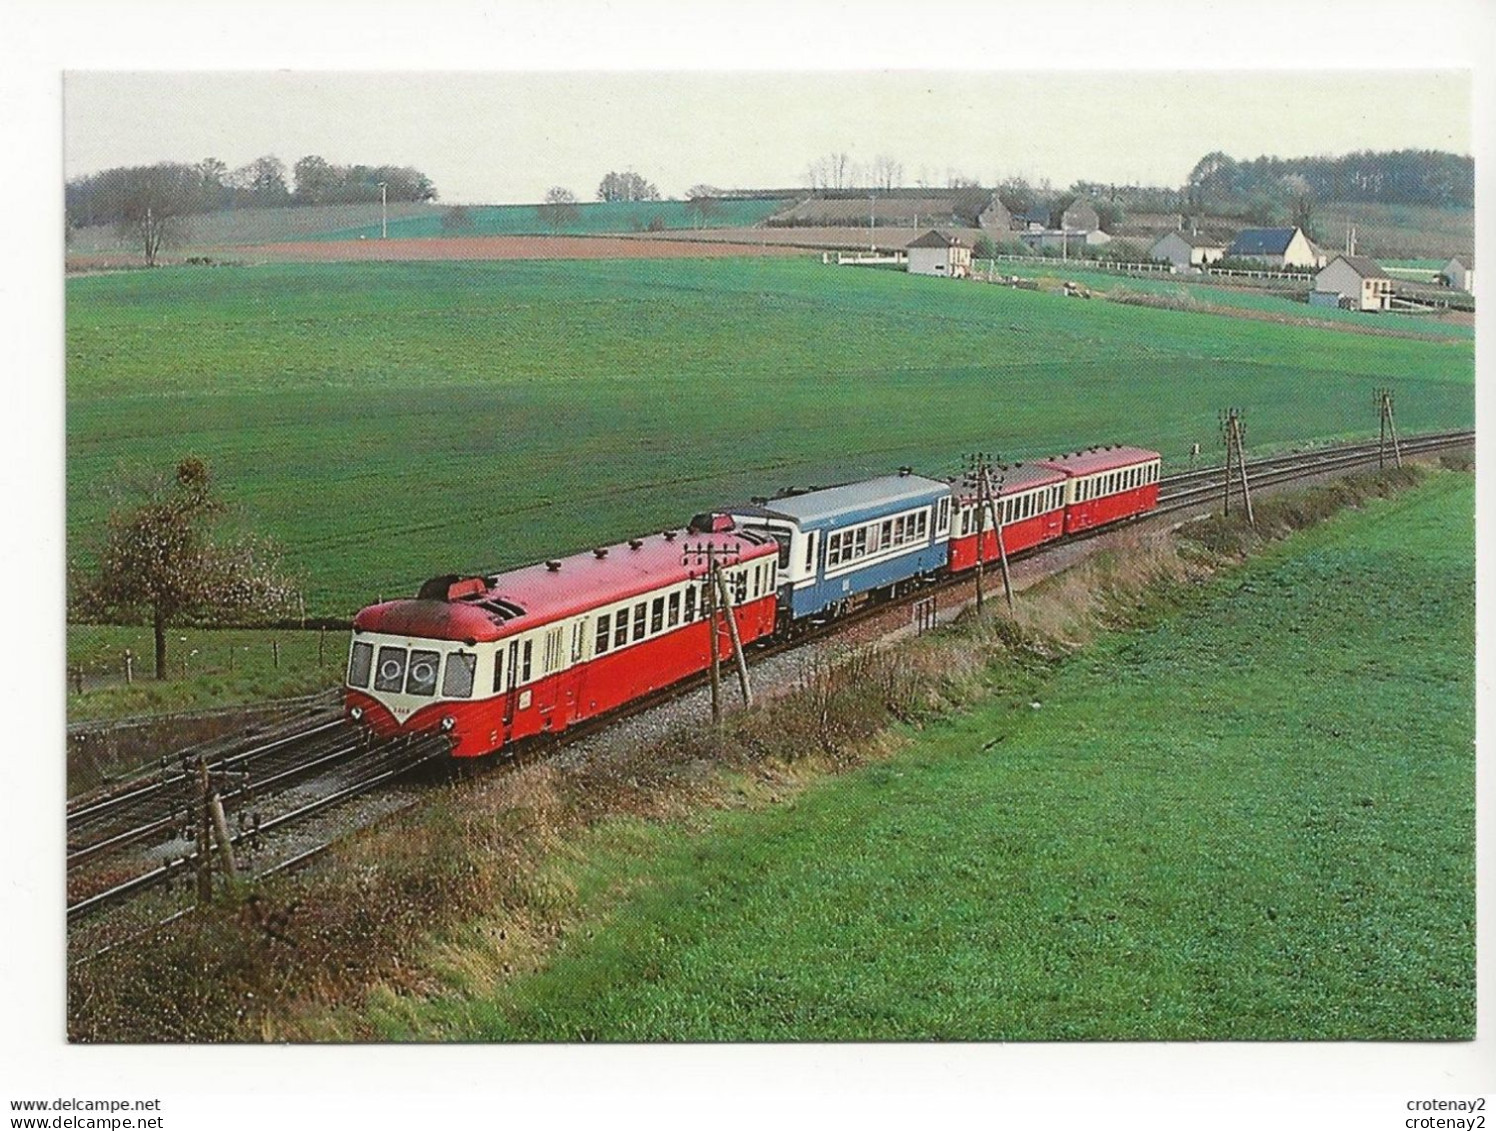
[621, 629]
[810, 551]
[457, 680]
[641, 614]
[604, 634]
[673, 616]
[498, 671]
[690, 602]
[390, 674]
[657, 615]
[524, 667]
[359, 663]
[421, 679]
[740, 587]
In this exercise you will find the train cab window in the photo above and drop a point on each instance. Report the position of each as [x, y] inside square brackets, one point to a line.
[810, 550]
[457, 680]
[360, 661]
[641, 613]
[740, 587]
[621, 629]
[421, 678]
[604, 634]
[673, 617]
[657, 615]
[943, 516]
[390, 674]
[783, 538]
[690, 603]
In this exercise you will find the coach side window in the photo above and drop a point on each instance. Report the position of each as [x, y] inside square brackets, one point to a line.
[657, 615]
[621, 629]
[810, 550]
[674, 615]
[604, 634]
[498, 671]
[690, 603]
[641, 614]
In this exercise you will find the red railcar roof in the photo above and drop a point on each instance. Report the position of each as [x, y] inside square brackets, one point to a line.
[524, 598]
[1093, 460]
[1010, 479]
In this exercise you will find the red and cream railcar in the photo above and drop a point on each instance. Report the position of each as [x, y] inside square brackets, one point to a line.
[1107, 484]
[1032, 498]
[503, 657]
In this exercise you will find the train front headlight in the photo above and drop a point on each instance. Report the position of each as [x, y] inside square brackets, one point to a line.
[356, 713]
[448, 722]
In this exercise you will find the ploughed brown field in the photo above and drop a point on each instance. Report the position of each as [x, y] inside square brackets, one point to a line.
[506, 247]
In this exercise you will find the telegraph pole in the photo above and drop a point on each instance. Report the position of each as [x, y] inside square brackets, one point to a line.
[977, 464]
[715, 597]
[1233, 433]
[1388, 428]
[995, 493]
[739, 659]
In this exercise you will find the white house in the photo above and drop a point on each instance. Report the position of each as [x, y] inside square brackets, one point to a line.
[1276, 247]
[1357, 278]
[936, 253]
[1186, 249]
[1459, 273]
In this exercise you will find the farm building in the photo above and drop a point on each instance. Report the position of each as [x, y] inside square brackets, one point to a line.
[1356, 278]
[1187, 249]
[936, 253]
[1277, 247]
[1080, 217]
[1036, 219]
[996, 218]
[1459, 273]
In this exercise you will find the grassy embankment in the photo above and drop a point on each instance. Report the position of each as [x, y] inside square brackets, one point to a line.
[386, 422]
[1249, 817]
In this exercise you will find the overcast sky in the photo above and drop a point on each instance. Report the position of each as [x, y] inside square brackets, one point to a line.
[494, 138]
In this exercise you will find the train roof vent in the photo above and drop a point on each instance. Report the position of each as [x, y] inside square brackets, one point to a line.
[635, 543]
[600, 553]
[501, 609]
[668, 535]
[553, 565]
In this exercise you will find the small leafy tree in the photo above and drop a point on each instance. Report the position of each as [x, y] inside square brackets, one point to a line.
[160, 560]
[560, 209]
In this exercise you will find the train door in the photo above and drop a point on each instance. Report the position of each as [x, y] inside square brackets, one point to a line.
[511, 683]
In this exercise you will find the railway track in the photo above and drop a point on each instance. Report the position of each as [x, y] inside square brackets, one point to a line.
[346, 765]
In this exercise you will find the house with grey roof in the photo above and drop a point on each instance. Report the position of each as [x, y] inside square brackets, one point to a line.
[1356, 281]
[1187, 249]
[1459, 273]
[940, 253]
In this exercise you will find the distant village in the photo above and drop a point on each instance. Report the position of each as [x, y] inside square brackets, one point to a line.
[947, 247]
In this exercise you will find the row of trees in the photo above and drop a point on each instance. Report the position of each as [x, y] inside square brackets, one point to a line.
[178, 189]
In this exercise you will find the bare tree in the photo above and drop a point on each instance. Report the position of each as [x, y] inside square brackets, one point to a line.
[887, 173]
[160, 560]
[560, 208]
[702, 201]
[151, 203]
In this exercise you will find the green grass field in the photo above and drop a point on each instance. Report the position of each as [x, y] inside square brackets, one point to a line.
[1253, 822]
[1281, 299]
[205, 666]
[387, 421]
[591, 219]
